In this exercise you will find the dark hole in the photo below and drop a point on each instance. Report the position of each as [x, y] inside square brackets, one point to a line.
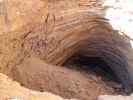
[95, 65]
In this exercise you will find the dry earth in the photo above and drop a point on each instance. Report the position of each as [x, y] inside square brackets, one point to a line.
[32, 51]
[66, 82]
[10, 90]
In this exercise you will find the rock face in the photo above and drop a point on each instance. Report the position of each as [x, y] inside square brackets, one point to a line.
[39, 31]
[52, 31]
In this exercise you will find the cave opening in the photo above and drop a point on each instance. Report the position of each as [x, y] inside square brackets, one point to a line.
[95, 65]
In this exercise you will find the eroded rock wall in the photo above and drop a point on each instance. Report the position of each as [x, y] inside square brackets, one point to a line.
[53, 32]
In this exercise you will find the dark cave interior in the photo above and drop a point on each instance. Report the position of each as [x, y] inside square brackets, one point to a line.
[95, 65]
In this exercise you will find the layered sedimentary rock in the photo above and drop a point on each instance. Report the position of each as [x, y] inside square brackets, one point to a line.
[39, 31]
[54, 31]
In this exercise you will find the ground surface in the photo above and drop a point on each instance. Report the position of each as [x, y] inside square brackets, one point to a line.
[10, 90]
[68, 82]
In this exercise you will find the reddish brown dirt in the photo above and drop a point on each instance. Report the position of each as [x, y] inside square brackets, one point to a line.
[69, 83]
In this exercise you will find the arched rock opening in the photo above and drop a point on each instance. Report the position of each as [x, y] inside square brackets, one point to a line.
[114, 49]
[41, 39]
[94, 65]
[101, 41]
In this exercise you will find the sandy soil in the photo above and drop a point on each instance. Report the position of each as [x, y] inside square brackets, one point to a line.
[66, 82]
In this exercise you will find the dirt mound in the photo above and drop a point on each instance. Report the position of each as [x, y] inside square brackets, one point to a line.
[37, 37]
[69, 83]
[10, 90]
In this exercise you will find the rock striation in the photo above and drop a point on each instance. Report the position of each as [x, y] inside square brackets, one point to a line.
[54, 31]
